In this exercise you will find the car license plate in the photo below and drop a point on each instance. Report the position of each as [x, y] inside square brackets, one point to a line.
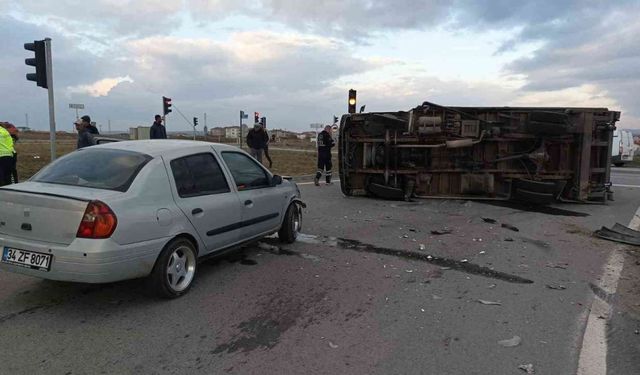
[28, 259]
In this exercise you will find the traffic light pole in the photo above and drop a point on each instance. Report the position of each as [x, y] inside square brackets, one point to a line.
[52, 116]
[240, 129]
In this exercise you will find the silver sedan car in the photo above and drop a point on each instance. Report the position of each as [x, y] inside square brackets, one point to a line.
[142, 209]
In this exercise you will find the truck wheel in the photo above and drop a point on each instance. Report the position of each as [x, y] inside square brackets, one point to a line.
[175, 269]
[290, 225]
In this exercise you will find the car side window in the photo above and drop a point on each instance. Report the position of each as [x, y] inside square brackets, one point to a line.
[245, 171]
[198, 174]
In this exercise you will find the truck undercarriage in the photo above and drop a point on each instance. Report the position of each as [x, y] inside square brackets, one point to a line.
[537, 155]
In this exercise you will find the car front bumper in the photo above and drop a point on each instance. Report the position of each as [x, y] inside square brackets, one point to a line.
[88, 261]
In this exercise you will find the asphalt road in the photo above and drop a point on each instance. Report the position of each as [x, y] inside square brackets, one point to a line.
[367, 290]
[625, 176]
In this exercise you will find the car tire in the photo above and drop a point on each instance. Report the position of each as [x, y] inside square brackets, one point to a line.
[290, 225]
[175, 269]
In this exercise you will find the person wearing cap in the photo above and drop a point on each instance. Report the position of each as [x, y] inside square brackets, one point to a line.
[6, 156]
[158, 130]
[88, 125]
[325, 143]
[85, 137]
[257, 140]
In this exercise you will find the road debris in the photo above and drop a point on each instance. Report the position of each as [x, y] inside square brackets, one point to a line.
[489, 220]
[556, 287]
[485, 302]
[310, 257]
[267, 247]
[619, 233]
[509, 226]
[491, 286]
[332, 345]
[508, 239]
[436, 297]
[510, 343]
[528, 368]
[441, 232]
[563, 266]
[422, 247]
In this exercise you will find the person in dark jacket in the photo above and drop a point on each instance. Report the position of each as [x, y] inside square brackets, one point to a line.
[257, 140]
[158, 130]
[85, 137]
[90, 127]
[325, 143]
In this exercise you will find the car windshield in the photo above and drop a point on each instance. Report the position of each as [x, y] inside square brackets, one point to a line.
[95, 168]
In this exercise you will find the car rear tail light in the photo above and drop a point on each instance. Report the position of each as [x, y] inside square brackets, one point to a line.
[98, 221]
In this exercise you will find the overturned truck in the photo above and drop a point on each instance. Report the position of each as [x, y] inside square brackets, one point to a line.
[538, 155]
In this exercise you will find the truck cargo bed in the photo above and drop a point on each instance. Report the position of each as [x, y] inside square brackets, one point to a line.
[537, 155]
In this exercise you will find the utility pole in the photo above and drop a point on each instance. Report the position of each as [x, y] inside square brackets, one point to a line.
[109, 125]
[205, 126]
[26, 120]
[52, 115]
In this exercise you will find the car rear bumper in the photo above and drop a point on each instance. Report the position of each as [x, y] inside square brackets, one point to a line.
[89, 261]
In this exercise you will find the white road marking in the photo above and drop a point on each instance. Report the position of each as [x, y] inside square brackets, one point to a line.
[628, 186]
[593, 354]
[321, 183]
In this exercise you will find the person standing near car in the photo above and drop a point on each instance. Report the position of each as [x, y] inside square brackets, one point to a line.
[6, 156]
[257, 140]
[85, 137]
[89, 126]
[158, 130]
[325, 143]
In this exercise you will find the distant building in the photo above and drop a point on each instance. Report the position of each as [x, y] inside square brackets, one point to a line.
[141, 132]
[233, 132]
[217, 132]
[307, 135]
[282, 134]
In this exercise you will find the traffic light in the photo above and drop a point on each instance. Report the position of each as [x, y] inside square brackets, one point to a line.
[263, 122]
[256, 117]
[39, 61]
[166, 105]
[195, 121]
[352, 101]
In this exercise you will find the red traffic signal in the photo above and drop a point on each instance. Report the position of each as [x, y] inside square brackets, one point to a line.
[256, 117]
[166, 105]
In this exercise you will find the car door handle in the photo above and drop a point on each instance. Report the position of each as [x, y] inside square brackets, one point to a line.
[248, 202]
[196, 211]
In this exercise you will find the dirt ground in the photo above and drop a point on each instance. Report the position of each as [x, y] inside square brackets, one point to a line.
[34, 153]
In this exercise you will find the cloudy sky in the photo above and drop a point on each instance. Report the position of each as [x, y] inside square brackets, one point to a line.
[295, 60]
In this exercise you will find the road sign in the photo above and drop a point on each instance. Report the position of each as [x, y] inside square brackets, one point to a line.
[316, 126]
[76, 106]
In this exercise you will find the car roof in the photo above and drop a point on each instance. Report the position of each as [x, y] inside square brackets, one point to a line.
[157, 147]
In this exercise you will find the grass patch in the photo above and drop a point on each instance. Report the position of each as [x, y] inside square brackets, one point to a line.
[35, 154]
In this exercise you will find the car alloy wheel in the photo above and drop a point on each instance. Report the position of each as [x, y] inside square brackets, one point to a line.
[175, 269]
[181, 268]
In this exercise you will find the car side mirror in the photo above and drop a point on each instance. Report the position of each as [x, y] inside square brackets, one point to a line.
[276, 180]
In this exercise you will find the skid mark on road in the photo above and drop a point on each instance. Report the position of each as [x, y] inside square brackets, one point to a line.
[457, 265]
[547, 210]
[276, 316]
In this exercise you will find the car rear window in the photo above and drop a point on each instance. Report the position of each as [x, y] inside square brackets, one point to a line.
[97, 168]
